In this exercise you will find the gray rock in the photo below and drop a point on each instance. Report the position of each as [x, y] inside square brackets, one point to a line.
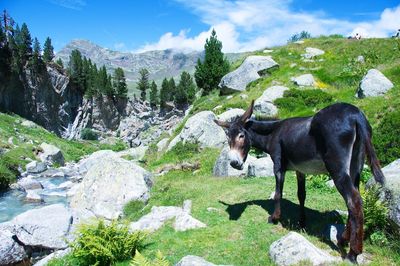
[294, 248]
[312, 52]
[162, 144]
[184, 222]
[231, 114]
[33, 196]
[51, 154]
[28, 183]
[191, 260]
[54, 255]
[201, 129]
[261, 167]
[85, 164]
[45, 227]
[109, 141]
[136, 154]
[374, 83]
[29, 124]
[304, 80]
[330, 183]
[65, 185]
[391, 191]
[334, 232]
[109, 184]
[10, 251]
[360, 59]
[251, 69]
[267, 51]
[36, 167]
[222, 166]
[264, 104]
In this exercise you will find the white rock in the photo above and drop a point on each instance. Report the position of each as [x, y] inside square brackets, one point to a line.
[66, 184]
[156, 218]
[231, 114]
[28, 183]
[109, 184]
[191, 260]
[334, 232]
[136, 154]
[51, 154]
[360, 59]
[10, 251]
[222, 166]
[162, 144]
[261, 167]
[33, 196]
[29, 124]
[251, 69]
[88, 162]
[304, 80]
[46, 226]
[330, 183]
[267, 51]
[374, 83]
[201, 129]
[312, 52]
[35, 167]
[184, 222]
[294, 248]
[54, 255]
[264, 104]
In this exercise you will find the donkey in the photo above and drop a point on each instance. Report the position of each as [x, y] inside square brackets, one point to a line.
[334, 141]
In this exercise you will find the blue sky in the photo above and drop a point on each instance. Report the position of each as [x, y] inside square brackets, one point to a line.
[242, 25]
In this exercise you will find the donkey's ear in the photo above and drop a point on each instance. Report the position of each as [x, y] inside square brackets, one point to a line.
[222, 123]
[246, 116]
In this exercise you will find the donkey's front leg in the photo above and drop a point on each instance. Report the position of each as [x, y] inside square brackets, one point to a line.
[279, 180]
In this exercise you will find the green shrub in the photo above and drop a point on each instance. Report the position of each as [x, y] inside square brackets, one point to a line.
[89, 134]
[387, 137]
[140, 260]
[7, 176]
[379, 238]
[318, 182]
[132, 210]
[300, 99]
[101, 244]
[375, 211]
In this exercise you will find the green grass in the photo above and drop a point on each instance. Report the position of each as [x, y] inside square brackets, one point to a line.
[26, 140]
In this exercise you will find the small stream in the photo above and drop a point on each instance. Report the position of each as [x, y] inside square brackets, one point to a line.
[13, 202]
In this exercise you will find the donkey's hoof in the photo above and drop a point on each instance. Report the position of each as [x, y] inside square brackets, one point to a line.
[351, 257]
[272, 220]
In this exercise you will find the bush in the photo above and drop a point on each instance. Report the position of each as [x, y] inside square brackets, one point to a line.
[318, 182]
[7, 176]
[299, 36]
[375, 211]
[101, 244]
[299, 99]
[89, 134]
[387, 138]
[140, 260]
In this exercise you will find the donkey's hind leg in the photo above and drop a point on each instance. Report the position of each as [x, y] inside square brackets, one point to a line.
[301, 194]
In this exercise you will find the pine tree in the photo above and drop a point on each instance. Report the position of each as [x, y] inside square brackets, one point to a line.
[171, 89]
[25, 43]
[36, 54]
[164, 93]
[48, 51]
[153, 95]
[187, 85]
[5, 55]
[120, 87]
[209, 72]
[75, 68]
[143, 84]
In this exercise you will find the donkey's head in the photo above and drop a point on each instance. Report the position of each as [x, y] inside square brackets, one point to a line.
[238, 138]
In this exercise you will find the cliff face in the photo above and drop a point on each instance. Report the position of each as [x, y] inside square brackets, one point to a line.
[47, 98]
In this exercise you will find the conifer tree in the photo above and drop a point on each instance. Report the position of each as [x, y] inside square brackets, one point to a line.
[171, 89]
[75, 68]
[5, 54]
[164, 93]
[36, 54]
[25, 43]
[120, 87]
[209, 72]
[153, 95]
[143, 84]
[187, 85]
[48, 51]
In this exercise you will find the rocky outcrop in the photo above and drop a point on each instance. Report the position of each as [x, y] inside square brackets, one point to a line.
[251, 69]
[35, 167]
[10, 251]
[110, 183]
[159, 215]
[54, 255]
[312, 52]
[304, 80]
[264, 105]
[294, 248]
[201, 129]
[231, 115]
[374, 83]
[51, 154]
[261, 167]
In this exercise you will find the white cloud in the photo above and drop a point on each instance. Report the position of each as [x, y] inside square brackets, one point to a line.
[70, 4]
[244, 25]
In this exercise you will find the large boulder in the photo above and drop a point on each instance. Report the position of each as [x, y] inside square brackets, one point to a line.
[304, 80]
[231, 114]
[135, 154]
[294, 249]
[51, 154]
[264, 104]
[312, 52]
[261, 167]
[222, 166]
[191, 260]
[28, 183]
[109, 184]
[85, 164]
[36, 167]
[45, 227]
[251, 69]
[201, 129]
[162, 144]
[392, 190]
[10, 251]
[374, 83]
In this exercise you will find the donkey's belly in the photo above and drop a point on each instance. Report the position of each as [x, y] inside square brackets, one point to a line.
[314, 166]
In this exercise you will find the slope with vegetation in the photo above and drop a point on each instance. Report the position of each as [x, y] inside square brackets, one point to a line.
[236, 210]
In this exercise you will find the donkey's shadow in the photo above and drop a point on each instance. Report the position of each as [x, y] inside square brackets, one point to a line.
[316, 221]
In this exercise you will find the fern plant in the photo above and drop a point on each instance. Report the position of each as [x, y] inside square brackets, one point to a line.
[140, 260]
[101, 244]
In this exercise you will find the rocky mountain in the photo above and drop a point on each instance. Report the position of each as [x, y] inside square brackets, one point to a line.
[163, 63]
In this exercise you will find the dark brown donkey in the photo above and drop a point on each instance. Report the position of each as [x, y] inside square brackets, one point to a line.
[333, 141]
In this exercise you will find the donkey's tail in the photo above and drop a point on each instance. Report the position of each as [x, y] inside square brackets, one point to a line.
[364, 129]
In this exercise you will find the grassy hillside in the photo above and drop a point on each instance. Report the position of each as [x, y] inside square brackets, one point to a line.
[237, 231]
[19, 142]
